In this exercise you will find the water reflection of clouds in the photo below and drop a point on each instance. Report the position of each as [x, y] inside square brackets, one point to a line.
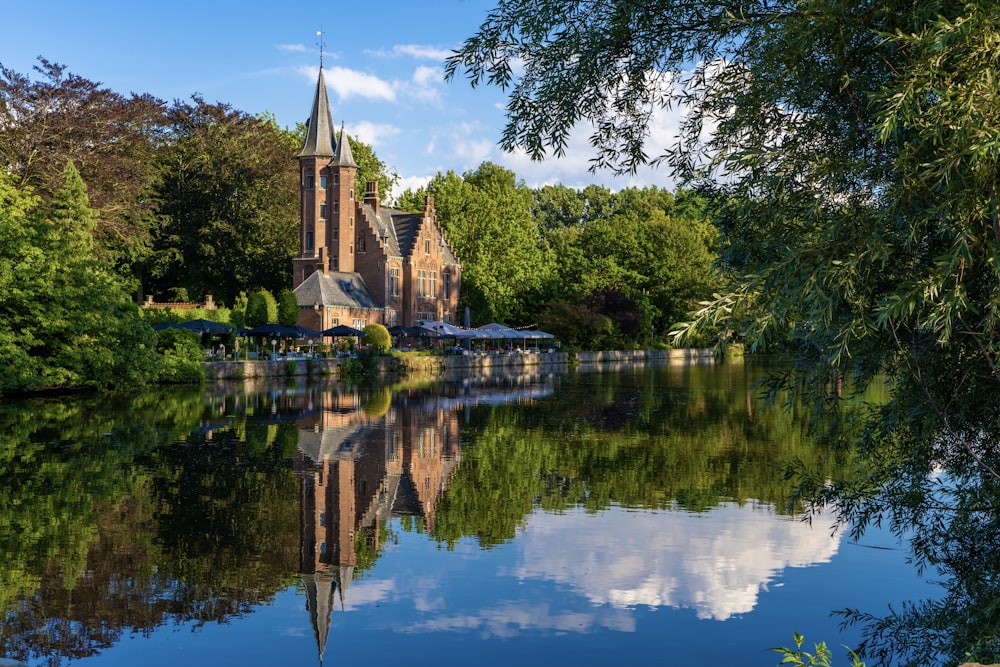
[716, 562]
[368, 592]
[509, 619]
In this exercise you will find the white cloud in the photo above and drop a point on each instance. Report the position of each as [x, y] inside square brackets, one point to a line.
[347, 83]
[427, 76]
[351, 83]
[411, 183]
[424, 86]
[466, 143]
[297, 48]
[374, 134]
[418, 51]
[572, 169]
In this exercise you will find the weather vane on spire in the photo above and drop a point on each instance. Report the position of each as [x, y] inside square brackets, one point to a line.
[321, 45]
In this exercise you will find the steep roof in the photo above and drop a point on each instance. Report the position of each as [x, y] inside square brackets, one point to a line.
[400, 229]
[344, 156]
[336, 289]
[319, 133]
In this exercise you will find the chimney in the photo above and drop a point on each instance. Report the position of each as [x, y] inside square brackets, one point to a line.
[429, 206]
[371, 195]
[324, 262]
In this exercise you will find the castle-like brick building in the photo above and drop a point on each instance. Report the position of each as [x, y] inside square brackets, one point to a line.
[360, 262]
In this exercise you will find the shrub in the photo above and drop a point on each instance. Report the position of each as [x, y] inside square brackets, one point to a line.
[181, 357]
[377, 336]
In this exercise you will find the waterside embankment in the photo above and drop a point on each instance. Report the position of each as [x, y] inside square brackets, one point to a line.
[449, 364]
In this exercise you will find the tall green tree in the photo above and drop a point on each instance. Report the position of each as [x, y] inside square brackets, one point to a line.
[227, 193]
[487, 218]
[66, 319]
[288, 308]
[261, 308]
[57, 116]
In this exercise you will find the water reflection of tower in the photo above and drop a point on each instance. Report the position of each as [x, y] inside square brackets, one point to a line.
[357, 470]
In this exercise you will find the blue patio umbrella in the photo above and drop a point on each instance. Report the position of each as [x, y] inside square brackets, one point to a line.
[273, 331]
[342, 330]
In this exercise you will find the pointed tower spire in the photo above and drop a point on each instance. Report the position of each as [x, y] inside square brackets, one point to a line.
[344, 156]
[319, 134]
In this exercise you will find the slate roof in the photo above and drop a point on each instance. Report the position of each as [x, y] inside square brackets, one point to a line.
[336, 289]
[400, 229]
[319, 132]
[344, 156]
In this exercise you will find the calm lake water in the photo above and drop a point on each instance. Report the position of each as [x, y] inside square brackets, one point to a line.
[589, 518]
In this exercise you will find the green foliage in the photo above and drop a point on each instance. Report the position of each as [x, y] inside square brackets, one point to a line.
[58, 117]
[821, 658]
[226, 192]
[377, 336]
[157, 315]
[238, 315]
[371, 168]
[182, 359]
[261, 309]
[657, 443]
[577, 325]
[851, 170]
[486, 217]
[288, 308]
[66, 320]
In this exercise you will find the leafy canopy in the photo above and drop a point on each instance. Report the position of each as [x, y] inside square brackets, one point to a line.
[850, 154]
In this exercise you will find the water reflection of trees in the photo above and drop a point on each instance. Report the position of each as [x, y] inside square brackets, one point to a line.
[185, 507]
[119, 516]
[111, 527]
[686, 437]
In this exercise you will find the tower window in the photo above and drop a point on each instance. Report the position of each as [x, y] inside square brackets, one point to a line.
[310, 182]
[309, 241]
[322, 211]
[322, 181]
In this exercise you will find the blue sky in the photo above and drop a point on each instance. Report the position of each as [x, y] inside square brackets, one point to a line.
[384, 64]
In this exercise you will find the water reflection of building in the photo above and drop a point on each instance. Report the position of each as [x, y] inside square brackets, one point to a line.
[357, 470]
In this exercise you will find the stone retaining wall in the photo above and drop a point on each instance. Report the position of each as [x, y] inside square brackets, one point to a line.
[440, 365]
